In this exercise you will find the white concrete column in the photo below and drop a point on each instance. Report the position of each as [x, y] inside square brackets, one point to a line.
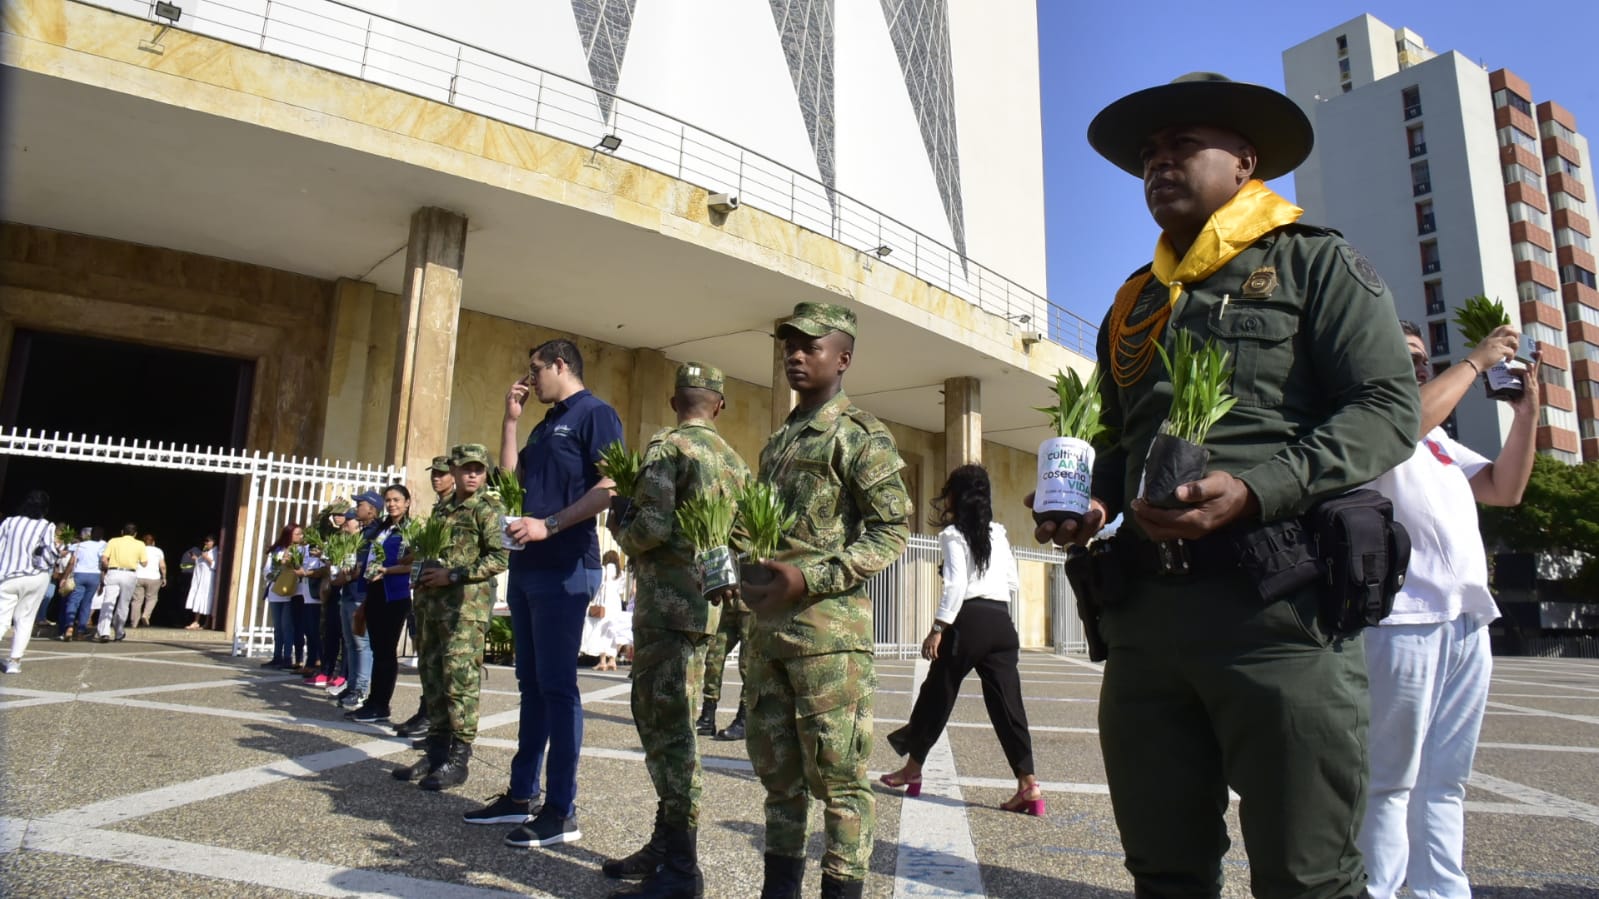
[963, 422]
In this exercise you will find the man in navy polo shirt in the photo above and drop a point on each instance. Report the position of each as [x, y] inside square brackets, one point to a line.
[553, 578]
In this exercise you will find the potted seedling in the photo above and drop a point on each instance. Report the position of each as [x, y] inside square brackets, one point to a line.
[284, 579]
[427, 539]
[622, 466]
[1477, 318]
[376, 564]
[505, 485]
[1177, 455]
[707, 522]
[1066, 461]
[763, 519]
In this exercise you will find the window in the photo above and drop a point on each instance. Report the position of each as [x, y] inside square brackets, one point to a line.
[1590, 428]
[1548, 374]
[1430, 261]
[1347, 87]
[1434, 291]
[1563, 200]
[1507, 97]
[1552, 128]
[1576, 312]
[1542, 332]
[1570, 237]
[1576, 274]
[1425, 222]
[1511, 135]
[1439, 332]
[1515, 172]
[1563, 419]
[1343, 67]
[1343, 44]
[1581, 350]
[1411, 98]
[1416, 139]
[1533, 292]
[1530, 252]
[1588, 389]
[1560, 165]
[1522, 212]
[1562, 456]
[1420, 178]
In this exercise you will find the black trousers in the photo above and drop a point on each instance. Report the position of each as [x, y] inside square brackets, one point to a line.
[982, 637]
[384, 622]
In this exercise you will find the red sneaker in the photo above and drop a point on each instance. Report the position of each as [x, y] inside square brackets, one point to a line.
[320, 680]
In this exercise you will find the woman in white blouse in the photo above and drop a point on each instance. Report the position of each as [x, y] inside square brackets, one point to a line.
[972, 629]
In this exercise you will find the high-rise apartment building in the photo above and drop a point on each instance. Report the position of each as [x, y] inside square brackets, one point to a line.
[1455, 181]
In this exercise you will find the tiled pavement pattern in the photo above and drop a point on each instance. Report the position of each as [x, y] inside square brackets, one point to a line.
[161, 767]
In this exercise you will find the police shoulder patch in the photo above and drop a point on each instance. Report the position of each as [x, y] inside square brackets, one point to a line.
[1361, 268]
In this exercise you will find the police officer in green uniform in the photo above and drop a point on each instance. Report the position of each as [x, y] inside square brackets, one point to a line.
[454, 604]
[443, 487]
[733, 632]
[1207, 685]
[811, 675]
[672, 626]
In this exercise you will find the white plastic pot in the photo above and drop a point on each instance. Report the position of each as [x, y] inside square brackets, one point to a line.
[1065, 471]
[505, 533]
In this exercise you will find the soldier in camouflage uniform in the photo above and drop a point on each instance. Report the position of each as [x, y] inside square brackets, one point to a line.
[443, 488]
[734, 631]
[454, 603]
[672, 626]
[811, 676]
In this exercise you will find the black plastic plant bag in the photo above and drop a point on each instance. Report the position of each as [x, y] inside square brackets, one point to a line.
[1171, 463]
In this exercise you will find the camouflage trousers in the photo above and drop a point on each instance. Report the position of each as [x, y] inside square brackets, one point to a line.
[810, 735]
[667, 666]
[449, 650]
[733, 631]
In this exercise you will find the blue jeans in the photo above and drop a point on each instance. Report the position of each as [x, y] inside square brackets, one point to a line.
[547, 611]
[283, 633]
[79, 604]
[357, 650]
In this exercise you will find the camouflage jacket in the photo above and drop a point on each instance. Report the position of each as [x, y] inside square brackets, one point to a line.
[681, 463]
[837, 467]
[476, 553]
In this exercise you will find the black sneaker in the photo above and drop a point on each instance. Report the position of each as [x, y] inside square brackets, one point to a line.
[352, 700]
[367, 715]
[503, 810]
[546, 829]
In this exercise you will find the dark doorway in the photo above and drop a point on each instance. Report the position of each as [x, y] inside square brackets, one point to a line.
[85, 386]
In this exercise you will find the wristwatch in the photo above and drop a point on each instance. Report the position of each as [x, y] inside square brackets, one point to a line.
[552, 525]
[938, 627]
[455, 577]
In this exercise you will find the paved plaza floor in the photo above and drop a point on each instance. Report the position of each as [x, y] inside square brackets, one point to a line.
[162, 767]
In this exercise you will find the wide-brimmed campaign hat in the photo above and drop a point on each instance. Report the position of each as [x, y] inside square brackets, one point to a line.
[1274, 124]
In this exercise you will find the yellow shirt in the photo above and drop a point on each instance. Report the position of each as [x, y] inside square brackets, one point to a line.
[124, 552]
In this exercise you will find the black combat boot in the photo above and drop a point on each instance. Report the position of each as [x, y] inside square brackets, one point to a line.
[452, 772]
[678, 877]
[706, 726]
[783, 877]
[735, 729]
[416, 725]
[833, 888]
[642, 863]
[435, 749]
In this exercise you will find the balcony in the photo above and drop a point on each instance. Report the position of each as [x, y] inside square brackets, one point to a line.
[1557, 438]
[1413, 112]
[1560, 181]
[1418, 149]
[1590, 450]
[1431, 267]
[1552, 316]
[1426, 225]
[1440, 348]
[1558, 397]
[1527, 270]
[1420, 188]
[1565, 218]
[1580, 293]
[1521, 193]
[1436, 307]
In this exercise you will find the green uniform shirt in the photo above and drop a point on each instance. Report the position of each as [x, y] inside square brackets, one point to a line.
[680, 463]
[837, 467]
[1327, 399]
[476, 552]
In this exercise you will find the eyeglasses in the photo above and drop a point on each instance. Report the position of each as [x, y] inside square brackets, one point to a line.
[536, 369]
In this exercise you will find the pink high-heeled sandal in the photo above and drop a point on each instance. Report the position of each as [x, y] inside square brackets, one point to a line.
[894, 780]
[1028, 801]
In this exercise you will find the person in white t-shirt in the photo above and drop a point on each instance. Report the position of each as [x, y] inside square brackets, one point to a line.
[972, 629]
[1429, 661]
[152, 576]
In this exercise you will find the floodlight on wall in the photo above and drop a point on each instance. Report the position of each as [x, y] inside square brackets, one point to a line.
[1020, 319]
[883, 251]
[169, 11]
[609, 143]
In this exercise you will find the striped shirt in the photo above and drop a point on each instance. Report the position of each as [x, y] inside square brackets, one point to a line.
[27, 546]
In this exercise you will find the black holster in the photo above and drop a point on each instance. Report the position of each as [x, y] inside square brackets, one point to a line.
[1363, 554]
[1097, 580]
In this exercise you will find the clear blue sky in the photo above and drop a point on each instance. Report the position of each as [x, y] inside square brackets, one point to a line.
[1099, 230]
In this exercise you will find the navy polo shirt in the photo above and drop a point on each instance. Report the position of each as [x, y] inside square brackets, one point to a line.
[557, 466]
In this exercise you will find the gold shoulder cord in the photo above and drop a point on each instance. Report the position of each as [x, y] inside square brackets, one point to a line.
[1130, 357]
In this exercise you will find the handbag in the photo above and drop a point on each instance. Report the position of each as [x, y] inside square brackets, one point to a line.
[285, 582]
[596, 611]
[68, 584]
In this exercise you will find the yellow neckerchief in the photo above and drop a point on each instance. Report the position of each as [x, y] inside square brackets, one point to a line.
[1252, 212]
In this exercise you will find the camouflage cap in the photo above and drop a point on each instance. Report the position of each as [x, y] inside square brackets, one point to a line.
[441, 464]
[817, 319]
[464, 453]
[698, 374]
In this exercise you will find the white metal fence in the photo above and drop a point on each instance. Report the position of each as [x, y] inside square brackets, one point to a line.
[905, 598]
[341, 38]
[277, 490]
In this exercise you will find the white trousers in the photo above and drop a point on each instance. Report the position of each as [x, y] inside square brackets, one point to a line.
[1429, 686]
[19, 603]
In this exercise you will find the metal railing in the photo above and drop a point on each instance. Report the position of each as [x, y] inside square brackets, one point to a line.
[905, 597]
[342, 38]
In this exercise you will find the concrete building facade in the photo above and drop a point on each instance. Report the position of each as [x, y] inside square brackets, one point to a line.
[1445, 175]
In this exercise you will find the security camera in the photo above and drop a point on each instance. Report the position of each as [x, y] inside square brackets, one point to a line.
[1031, 337]
[723, 203]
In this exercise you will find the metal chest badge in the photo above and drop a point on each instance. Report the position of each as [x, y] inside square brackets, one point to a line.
[1261, 283]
